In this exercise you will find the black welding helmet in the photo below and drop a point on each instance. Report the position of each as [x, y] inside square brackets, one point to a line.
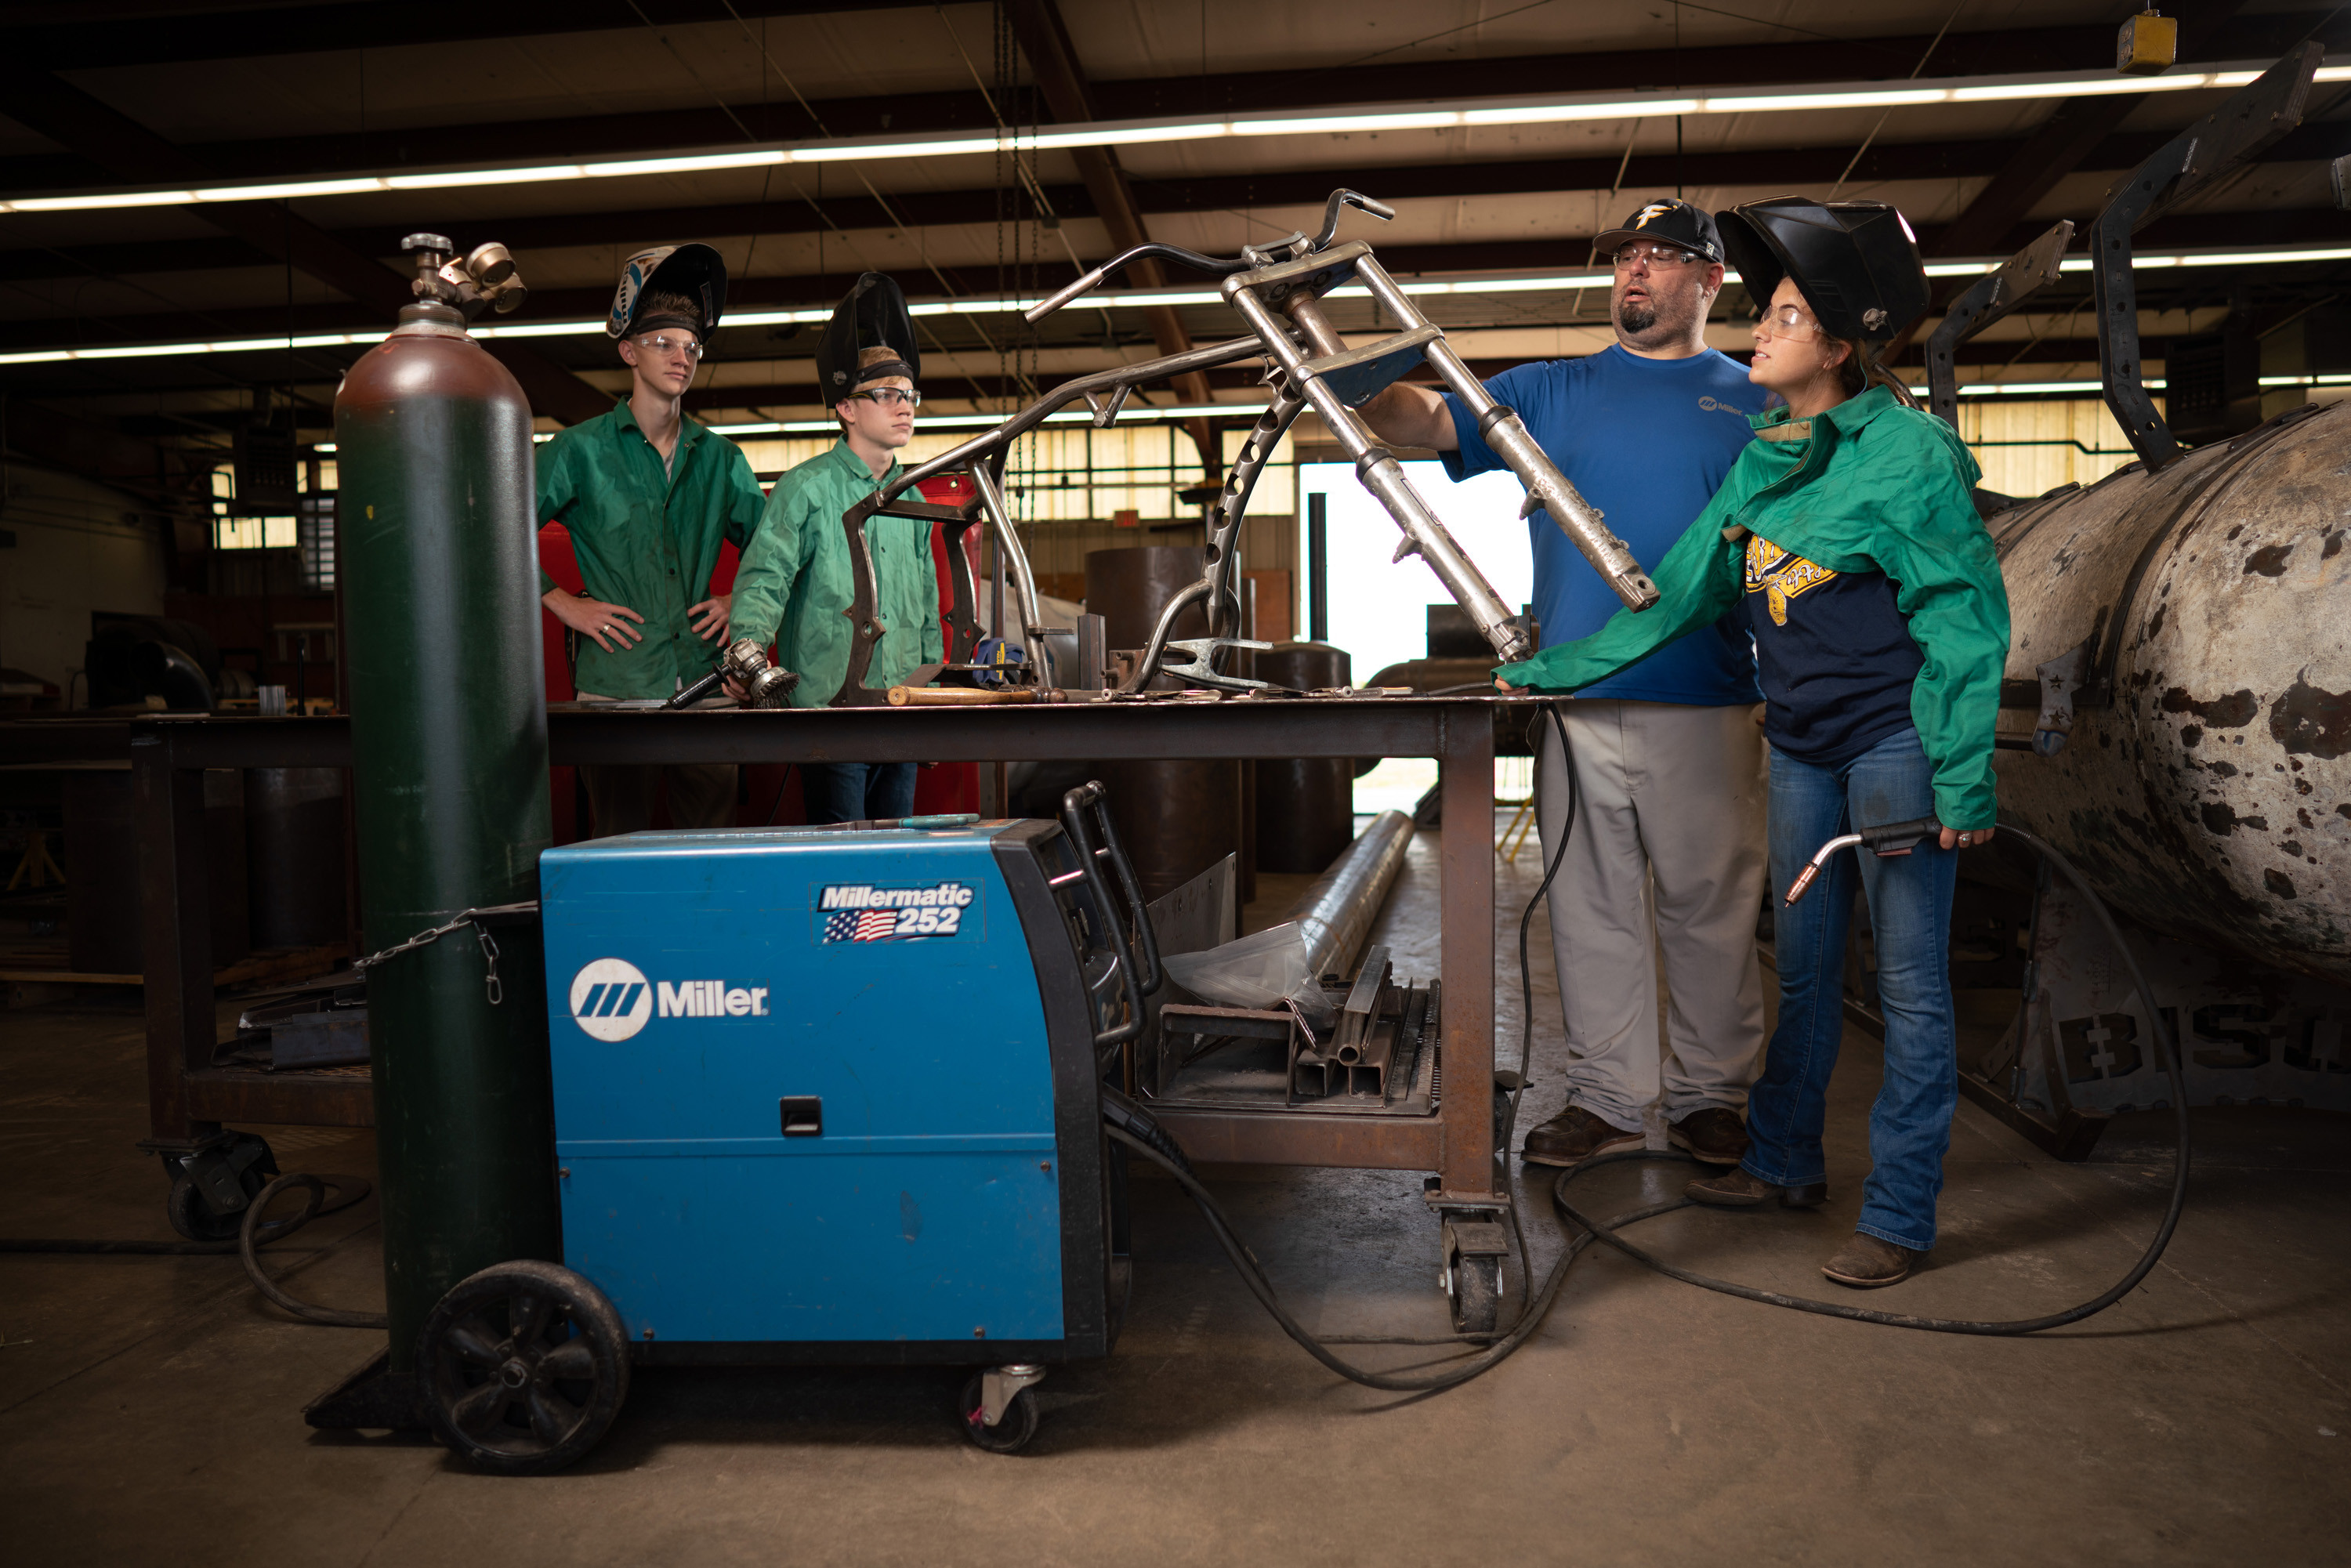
[873, 315]
[1856, 262]
[695, 271]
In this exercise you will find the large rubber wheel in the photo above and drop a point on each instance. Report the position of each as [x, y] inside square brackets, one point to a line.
[192, 1214]
[522, 1367]
[1007, 1436]
[1476, 1294]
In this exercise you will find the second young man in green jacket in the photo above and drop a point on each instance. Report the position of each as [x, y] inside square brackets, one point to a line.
[796, 579]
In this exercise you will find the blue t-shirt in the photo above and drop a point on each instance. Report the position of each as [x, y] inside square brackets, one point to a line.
[1647, 442]
[1836, 654]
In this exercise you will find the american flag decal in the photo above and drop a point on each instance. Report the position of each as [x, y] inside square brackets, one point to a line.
[860, 924]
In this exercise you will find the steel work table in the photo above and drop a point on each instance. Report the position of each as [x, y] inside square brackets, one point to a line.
[189, 1097]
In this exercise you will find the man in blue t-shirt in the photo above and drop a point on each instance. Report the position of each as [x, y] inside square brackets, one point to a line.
[1667, 856]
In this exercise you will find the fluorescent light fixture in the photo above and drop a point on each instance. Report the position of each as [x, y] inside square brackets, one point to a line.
[1471, 286]
[1365, 118]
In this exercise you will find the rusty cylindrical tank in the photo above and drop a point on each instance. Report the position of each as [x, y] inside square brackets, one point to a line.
[449, 781]
[2205, 787]
[1305, 805]
[1176, 818]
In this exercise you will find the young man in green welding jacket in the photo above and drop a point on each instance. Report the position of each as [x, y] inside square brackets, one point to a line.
[648, 495]
[796, 581]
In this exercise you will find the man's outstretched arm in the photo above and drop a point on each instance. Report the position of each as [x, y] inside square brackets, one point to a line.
[1406, 415]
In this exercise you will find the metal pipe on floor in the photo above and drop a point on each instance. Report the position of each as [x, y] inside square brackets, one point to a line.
[1337, 913]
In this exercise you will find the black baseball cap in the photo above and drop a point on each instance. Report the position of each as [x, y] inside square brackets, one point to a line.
[1667, 221]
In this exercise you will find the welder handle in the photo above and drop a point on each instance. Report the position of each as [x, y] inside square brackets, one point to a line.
[689, 696]
[1886, 839]
[1900, 837]
[1092, 800]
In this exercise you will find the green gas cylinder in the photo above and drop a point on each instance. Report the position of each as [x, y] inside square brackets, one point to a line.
[439, 563]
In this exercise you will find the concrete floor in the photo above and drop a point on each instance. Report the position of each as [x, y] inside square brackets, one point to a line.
[150, 1408]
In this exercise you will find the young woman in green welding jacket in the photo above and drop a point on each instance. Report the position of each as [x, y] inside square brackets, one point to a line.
[1847, 531]
[649, 496]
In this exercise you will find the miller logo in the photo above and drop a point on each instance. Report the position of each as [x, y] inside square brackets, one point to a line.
[611, 1000]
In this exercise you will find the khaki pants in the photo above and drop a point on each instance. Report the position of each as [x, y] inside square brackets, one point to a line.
[1666, 858]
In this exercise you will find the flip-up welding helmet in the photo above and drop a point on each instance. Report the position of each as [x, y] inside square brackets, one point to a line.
[1857, 262]
[872, 314]
[695, 271]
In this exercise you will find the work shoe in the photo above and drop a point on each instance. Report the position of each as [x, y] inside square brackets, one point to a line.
[1866, 1262]
[1573, 1137]
[1736, 1189]
[1714, 1136]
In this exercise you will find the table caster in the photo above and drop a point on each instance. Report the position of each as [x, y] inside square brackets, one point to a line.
[212, 1188]
[1002, 1393]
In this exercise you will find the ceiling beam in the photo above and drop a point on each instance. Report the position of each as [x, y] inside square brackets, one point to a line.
[146, 32]
[2316, 142]
[1037, 23]
[812, 290]
[701, 125]
[68, 115]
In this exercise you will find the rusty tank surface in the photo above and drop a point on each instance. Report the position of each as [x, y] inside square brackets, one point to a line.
[2188, 635]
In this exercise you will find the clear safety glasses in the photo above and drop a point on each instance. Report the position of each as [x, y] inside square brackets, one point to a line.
[891, 397]
[1787, 321]
[1660, 258]
[663, 344]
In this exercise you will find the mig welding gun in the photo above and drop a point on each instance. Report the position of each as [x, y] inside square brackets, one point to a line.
[764, 684]
[1889, 840]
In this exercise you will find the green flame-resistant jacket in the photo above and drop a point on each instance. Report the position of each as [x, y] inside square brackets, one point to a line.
[646, 540]
[795, 585]
[1869, 486]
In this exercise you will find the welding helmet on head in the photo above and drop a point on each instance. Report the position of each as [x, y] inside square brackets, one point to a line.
[873, 315]
[695, 271]
[1856, 262]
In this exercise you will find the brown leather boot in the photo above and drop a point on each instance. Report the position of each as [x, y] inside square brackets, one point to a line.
[1867, 1262]
[1573, 1137]
[1735, 1188]
[1714, 1136]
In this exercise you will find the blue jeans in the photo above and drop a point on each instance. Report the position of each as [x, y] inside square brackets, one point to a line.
[1910, 917]
[857, 791]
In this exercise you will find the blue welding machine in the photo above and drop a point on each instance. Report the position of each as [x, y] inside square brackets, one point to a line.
[829, 1094]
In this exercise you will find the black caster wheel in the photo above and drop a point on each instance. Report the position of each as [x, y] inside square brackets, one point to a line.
[1009, 1434]
[1474, 1286]
[522, 1367]
[211, 1191]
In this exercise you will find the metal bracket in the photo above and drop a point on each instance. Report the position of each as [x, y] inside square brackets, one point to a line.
[1992, 296]
[999, 1385]
[866, 629]
[1193, 660]
[2251, 120]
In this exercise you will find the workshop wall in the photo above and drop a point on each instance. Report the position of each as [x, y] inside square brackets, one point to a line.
[73, 546]
[2028, 448]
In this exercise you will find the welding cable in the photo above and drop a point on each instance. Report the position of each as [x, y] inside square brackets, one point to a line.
[2165, 1049]
[1253, 1275]
[322, 1195]
[1127, 1122]
[349, 1190]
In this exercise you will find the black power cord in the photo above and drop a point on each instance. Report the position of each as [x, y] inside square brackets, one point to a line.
[253, 1234]
[1130, 1125]
[2165, 1050]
